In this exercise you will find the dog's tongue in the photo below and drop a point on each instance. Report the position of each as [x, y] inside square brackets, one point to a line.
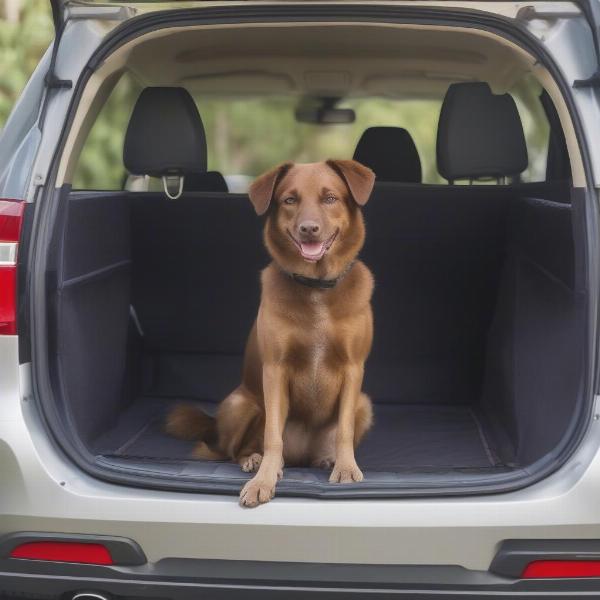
[311, 248]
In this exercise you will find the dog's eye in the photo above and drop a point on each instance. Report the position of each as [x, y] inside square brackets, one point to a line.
[289, 200]
[330, 199]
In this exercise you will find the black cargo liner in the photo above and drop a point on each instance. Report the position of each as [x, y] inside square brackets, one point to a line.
[404, 438]
[462, 284]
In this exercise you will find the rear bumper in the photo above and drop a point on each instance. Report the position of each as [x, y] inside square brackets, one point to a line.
[194, 579]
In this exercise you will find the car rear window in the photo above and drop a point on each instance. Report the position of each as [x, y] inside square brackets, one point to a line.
[247, 135]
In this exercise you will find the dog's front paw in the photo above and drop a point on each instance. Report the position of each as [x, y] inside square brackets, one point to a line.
[257, 491]
[346, 473]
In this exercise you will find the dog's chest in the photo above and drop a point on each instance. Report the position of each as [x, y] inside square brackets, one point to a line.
[316, 359]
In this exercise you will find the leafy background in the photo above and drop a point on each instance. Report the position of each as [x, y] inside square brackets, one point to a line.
[25, 31]
[245, 135]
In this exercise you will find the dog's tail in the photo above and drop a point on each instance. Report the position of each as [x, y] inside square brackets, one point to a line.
[188, 422]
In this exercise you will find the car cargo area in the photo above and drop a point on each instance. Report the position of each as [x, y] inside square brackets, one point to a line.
[479, 305]
[476, 359]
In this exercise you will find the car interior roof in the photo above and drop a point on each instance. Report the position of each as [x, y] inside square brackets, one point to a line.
[333, 61]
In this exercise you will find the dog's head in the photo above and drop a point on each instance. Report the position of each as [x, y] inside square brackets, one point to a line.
[314, 223]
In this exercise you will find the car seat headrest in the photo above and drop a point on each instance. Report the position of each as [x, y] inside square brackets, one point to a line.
[480, 134]
[390, 153]
[165, 136]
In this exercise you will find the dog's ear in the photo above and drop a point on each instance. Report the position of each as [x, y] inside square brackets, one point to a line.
[359, 179]
[262, 188]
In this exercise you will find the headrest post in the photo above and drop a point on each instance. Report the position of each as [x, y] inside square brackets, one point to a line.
[167, 179]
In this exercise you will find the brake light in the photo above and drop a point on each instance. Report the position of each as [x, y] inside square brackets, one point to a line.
[552, 569]
[75, 552]
[11, 219]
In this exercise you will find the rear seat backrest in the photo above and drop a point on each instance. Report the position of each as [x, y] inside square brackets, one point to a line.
[437, 254]
[211, 181]
[390, 153]
[196, 260]
[196, 264]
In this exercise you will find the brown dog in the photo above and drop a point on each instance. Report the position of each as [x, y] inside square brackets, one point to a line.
[300, 400]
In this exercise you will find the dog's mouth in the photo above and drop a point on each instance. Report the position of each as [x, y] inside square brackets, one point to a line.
[314, 251]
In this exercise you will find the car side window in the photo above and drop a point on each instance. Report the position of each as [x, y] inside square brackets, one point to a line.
[100, 165]
[536, 128]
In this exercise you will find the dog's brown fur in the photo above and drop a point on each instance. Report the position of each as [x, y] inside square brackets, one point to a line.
[300, 400]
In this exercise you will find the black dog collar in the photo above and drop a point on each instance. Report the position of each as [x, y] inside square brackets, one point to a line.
[319, 284]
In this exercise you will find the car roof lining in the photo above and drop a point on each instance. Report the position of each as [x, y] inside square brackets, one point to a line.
[337, 61]
[314, 58]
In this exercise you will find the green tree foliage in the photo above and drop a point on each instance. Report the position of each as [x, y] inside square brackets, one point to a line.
[23, 40]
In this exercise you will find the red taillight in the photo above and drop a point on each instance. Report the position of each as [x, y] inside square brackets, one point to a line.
[75, 552]
[11, 218]
[552, 569]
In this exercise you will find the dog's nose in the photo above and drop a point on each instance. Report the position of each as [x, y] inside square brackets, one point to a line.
[309, 227]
